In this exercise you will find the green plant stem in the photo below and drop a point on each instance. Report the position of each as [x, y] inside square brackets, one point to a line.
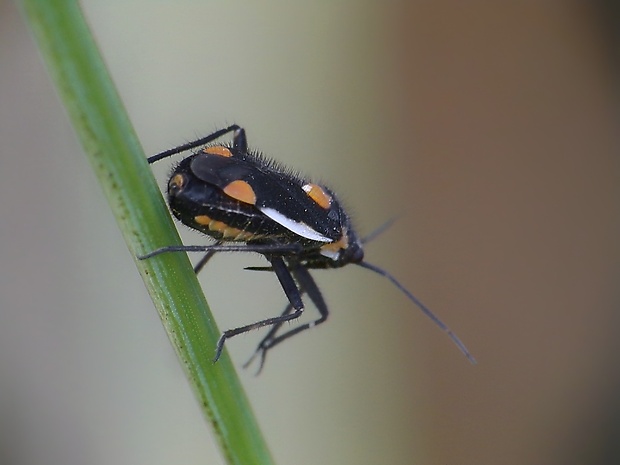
[112, 147]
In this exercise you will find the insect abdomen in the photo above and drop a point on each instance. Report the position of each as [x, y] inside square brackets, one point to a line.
[205, 207]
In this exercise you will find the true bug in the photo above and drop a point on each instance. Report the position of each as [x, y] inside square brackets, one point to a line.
[250, 204]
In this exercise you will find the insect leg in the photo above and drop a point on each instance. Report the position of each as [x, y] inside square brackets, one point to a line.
[270, 335]
[240, 142]
[239, 134]
[292, 293]
[203, 261]
[306, 285]
[258, 248]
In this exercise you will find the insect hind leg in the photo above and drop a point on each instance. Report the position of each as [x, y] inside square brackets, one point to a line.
[239, 142]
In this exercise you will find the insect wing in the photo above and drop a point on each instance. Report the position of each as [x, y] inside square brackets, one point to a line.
[219, 171]
[277, 195]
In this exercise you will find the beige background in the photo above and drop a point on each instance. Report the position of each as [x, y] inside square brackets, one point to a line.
[489, 128]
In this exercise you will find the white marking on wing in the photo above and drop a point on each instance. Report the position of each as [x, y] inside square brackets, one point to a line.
[301, 229]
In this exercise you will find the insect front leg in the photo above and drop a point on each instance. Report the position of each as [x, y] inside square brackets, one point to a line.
[306, 285]
[292, 293]
[261, 349]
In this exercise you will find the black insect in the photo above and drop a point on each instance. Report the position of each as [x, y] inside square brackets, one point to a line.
[251, 204]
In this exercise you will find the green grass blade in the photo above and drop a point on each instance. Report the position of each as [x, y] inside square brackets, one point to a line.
[114, 151]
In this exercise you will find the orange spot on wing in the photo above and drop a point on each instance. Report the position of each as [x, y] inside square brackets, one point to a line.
[335, 247]
[242, 191]
[218, 150]
[318, 194]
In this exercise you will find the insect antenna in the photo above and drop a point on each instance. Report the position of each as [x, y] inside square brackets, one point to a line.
[421, 306]
[380, 230]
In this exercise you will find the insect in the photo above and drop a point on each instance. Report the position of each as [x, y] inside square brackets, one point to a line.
[248, 203]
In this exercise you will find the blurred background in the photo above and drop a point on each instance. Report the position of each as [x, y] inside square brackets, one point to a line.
[488, 128]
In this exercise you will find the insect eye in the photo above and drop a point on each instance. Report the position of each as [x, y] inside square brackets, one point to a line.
[353, 254]
[357, 254]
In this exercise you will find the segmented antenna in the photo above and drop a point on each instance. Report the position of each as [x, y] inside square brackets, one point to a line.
[421, 306]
